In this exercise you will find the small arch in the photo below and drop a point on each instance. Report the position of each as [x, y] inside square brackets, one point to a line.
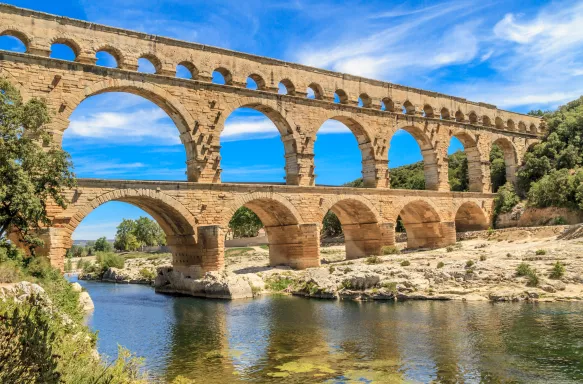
[499, 123]
[273, 210]
[65, 49]
[474, 164]
[422, 224]
[428, 111]
[364, 101]
[21, 38]
[286, 87]
[510, 158]
[108, 56]
[315, 91]
[473, 118]
[470, 217]
[459, 116]
[510, 124]
[521, 126]
[186, 70]
[533, 128]
[445, 115]
[388, 105]
[408, 108]
[148, 63]
[222, 76]
[258, 80]
[486, 121]
[340, 97]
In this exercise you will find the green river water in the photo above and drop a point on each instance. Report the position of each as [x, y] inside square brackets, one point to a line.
[281, 339]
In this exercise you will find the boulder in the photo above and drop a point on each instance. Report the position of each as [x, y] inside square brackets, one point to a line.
[86, 302]
[77, 287]
[361, 281]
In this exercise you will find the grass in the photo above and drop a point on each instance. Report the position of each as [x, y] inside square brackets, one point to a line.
[233, 252]
[558, 271]
[540, 252]
[279, 283]
[390, 250]
[405, 263]
[265, 247]
[147, 274]
[390, 286]
[523, 269]
[373, 260]
[532, 279]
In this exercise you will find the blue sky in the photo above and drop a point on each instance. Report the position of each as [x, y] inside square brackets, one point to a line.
[518, 55]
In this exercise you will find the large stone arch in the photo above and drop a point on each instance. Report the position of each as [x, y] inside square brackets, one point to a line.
[472, 151]
[424, 225]
[470, 217]
[428, 151]
[360, 222]
[291, 242]
[510, 156]
[363, 138]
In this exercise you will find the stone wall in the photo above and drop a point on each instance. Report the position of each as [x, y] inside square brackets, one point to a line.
[522, 216]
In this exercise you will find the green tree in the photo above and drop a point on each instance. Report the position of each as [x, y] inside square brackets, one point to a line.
[148, 232]
[245, 223]
[33, 172]
[331, 226]
[102, 245]
[497, 168]
[125, 240]
[458, 172]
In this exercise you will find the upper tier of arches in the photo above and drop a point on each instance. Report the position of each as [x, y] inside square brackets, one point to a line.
[127, 47]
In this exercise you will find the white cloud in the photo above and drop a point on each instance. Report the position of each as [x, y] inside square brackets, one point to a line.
[96, 167]
[248, 129]
[152, 125]
[333, 127]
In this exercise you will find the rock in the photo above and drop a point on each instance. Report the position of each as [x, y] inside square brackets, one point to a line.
[548, 288]
[318, 283]
[361, 281]
[76, 287]
[501, 296]
[215, 285]
[86, 302]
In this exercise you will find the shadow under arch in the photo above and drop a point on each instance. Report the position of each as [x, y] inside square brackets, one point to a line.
[470, 217]
[510, 157]
[475, 175]
[430, 168]
[360, 225]
[423, 225]
[283, 227]
[365, 146]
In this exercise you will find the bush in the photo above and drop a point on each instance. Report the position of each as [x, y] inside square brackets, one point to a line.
[109, 260]
[390, 250]
[147, 274]
[390, 286]
[483, 258]
[523, 269]
[559, 221]
[373, 260]
[469, 263]
[405, 263]
[10, 272]
[449, 249]
[505, 200]
[68, 266]
[532, 278]
[558, 271]
[278, 283]
[40, 267]
[440, 264]
[540, 252]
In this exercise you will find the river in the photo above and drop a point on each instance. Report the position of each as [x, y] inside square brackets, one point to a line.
[283, 339]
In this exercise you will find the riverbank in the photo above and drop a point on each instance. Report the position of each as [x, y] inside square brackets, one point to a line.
[478, 269]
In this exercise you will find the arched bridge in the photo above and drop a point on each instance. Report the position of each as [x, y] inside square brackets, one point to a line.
[194, 213]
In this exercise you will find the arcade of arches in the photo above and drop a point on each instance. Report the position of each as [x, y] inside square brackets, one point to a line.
[194, 214]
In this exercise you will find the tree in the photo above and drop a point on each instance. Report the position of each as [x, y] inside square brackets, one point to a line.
[458, 172]
[33, 171]
[102, 245]
[245, 223]
[497, 168]
[331, 226]
[148, 232]
[124, 237]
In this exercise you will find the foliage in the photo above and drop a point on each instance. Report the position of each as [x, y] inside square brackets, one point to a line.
[102, 245]
[279, 283]
[390, 250]
[110, 260]
[237, 251]
[147, 274]
[331, 226]
[532, 279]
[523, 269]
[77, 251]
[497, 168]
[373, 260]
[449, 249]
[26, 345]
[133, 234]
[32, 176]
[245, 223]
[390, 286]
[405, 263]
[540, 252]
[68, 266]
[558, 188]
[469, 263]
[505, 199]
[558, 271]
[440, 264]
[483, 257]
[458, 172]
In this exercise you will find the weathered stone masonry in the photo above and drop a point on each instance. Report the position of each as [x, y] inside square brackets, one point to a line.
[194, 215]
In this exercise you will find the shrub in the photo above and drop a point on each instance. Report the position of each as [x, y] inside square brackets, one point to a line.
[278, 283]
[558, 271]
[68, 266]
[449, 249]
[390, 286]
[390, 250]
[469, 263]
[523, 269]
[532, 278]
[331, 269]
[10, 272]
[405, 263]
[147, 274]
[110, 260]
[40, 267]
[540, 252]
[559, 221]
[483, 258]
[505, 200]
[373, 260]
[440, 264]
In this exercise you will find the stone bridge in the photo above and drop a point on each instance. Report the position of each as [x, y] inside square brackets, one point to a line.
[193, 214]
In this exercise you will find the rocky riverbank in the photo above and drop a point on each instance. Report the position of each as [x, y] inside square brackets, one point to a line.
[476, 269]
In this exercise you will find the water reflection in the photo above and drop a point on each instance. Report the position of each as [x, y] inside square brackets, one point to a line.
[293, 340]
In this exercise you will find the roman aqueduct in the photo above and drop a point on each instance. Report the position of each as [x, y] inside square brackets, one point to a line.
[194, 213]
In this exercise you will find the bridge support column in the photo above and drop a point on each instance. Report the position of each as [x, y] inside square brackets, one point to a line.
[297, 246]
[362, 240]
[387, 234]
[430, 235]
[56, 242]
[194, 259]
[375, 173]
